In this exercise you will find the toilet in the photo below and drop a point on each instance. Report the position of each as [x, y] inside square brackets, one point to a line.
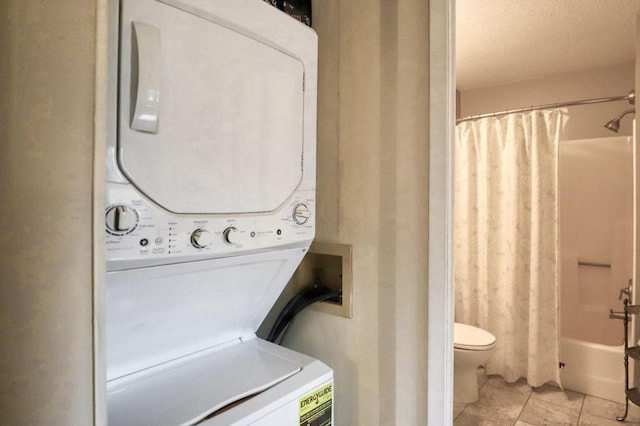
[472, 347]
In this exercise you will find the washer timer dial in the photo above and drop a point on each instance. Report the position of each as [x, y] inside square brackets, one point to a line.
[232, 235]
[121, 220]
[301, 214]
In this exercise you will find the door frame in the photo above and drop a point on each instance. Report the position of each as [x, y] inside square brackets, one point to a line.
[634, 371]
[441, 137]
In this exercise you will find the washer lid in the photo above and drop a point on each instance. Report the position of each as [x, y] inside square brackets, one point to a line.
[211, 119]
[162, 313]
[469, 337]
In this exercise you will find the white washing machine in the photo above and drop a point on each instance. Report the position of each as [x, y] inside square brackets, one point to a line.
[210, 208]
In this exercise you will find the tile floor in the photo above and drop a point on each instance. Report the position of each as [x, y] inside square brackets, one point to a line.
[518, 404]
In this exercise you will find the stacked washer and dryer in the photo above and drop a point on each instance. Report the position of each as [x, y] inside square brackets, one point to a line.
[210, 209]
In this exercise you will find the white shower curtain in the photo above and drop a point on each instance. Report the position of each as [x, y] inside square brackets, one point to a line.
[507, 239]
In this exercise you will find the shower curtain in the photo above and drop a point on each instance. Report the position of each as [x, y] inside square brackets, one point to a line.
[506, 239]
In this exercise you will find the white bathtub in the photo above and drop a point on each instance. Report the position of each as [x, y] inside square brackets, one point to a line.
[593, 369]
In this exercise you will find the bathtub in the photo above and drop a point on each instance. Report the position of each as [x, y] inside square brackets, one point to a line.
[593, 369]
[596, 221]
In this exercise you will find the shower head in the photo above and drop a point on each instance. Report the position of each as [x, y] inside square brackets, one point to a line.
[614, 125]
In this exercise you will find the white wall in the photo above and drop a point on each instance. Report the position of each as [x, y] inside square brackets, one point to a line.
[584, 121]
[372, 194]
[47, 102]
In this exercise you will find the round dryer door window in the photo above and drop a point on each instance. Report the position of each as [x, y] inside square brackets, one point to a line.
[210, 119]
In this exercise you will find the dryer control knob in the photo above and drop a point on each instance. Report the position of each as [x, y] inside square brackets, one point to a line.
[232, 235]
[301, 214]
[201, 238]
[121, 220]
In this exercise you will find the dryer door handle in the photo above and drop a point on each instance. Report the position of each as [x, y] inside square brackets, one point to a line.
[145, 77]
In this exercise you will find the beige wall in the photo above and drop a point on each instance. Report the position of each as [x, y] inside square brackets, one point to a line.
[46, 157]
[596, 220]
[372, 188]
[584, 121]
[372, 194]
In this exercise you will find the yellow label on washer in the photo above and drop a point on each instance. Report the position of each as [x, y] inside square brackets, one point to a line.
[315, 408]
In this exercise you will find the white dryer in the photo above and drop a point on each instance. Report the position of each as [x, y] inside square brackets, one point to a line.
[210, 208]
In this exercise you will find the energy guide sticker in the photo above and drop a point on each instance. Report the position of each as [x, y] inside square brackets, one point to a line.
[315, 408]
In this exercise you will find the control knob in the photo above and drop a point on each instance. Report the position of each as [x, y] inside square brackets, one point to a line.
[201, 238]
[121, 220]
[301, 214]
[232, 235]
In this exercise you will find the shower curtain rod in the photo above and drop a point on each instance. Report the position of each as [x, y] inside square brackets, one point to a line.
[631, 97]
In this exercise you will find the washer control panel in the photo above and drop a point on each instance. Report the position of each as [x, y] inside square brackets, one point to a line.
[139, 233]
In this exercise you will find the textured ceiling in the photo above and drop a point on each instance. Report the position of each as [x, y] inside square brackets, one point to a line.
[500, 41]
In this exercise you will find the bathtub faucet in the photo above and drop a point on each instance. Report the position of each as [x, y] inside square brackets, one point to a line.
[626, 290]
[616, 315]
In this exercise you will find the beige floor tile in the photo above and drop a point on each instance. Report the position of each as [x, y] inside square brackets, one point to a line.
[631, 419]
[543, 413]
[520, 386]
[498, 401]
[457, 409]
[521, 423]
[602, 408]
[589, 420]
[557, 396]
[482, 377]
[475, 416]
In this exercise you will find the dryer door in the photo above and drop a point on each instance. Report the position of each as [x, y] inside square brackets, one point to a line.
[210, 119]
